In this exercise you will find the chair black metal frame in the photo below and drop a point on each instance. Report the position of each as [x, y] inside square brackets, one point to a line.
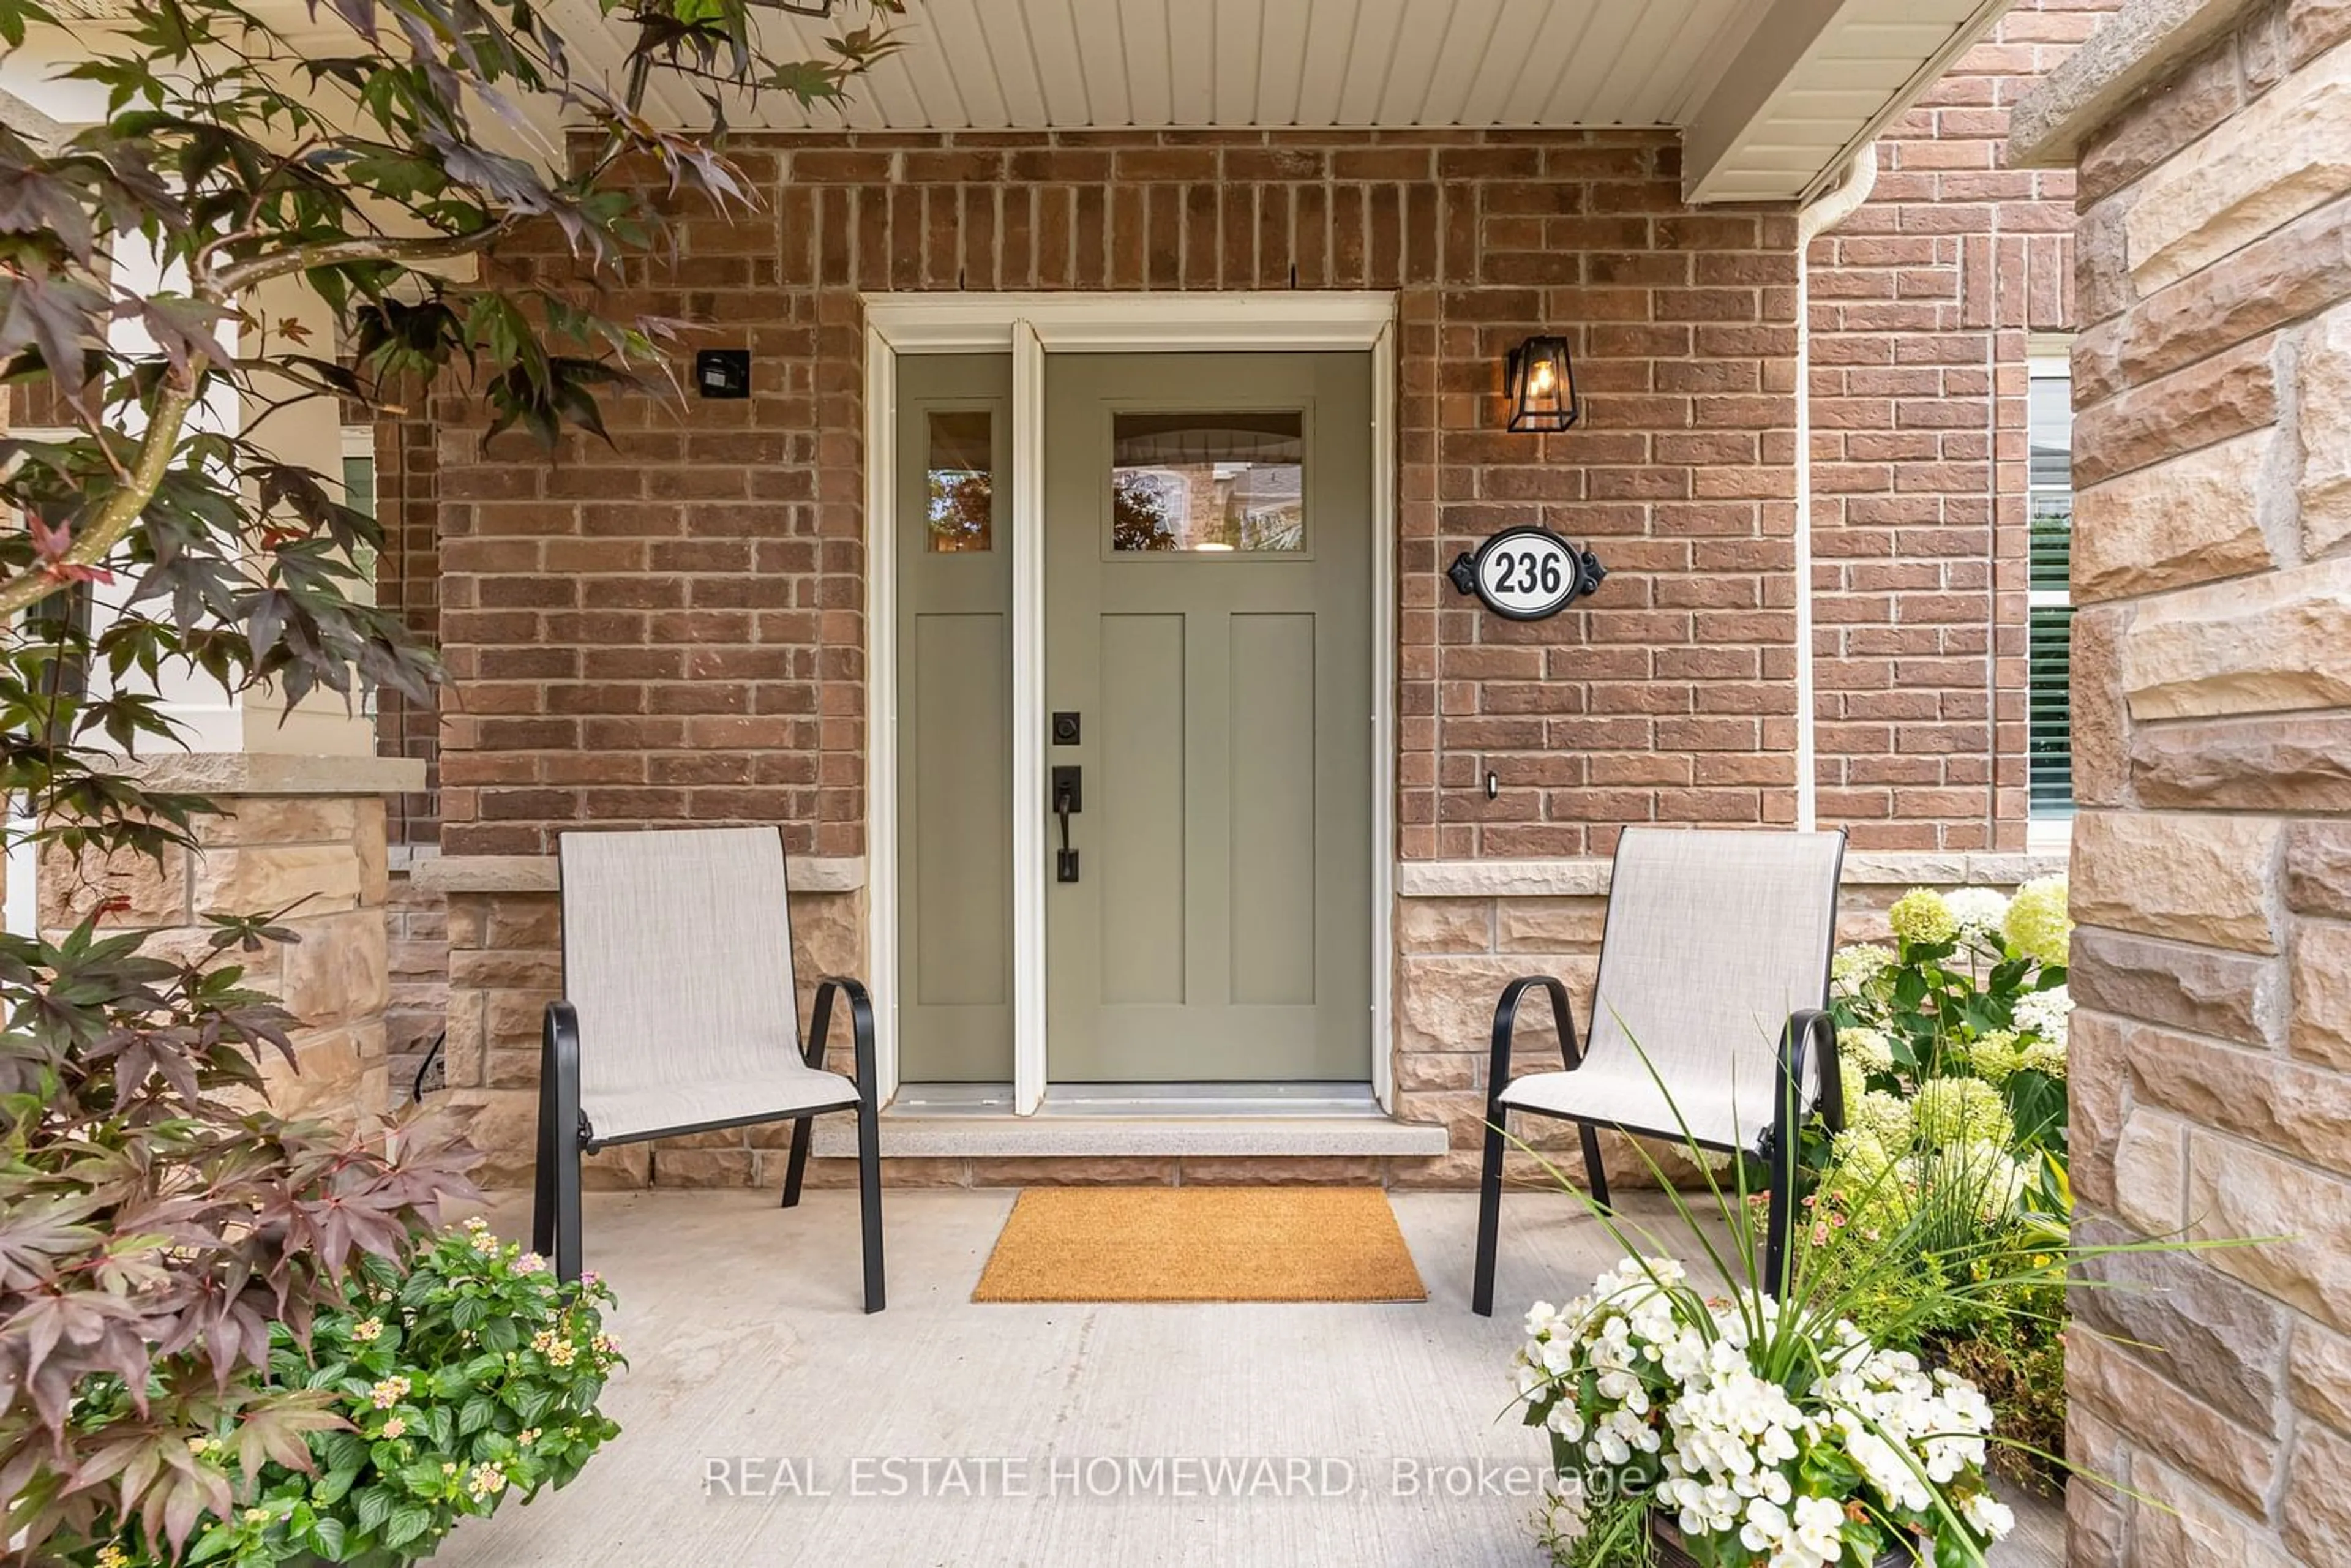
[1808, 1040]
[555, 1211]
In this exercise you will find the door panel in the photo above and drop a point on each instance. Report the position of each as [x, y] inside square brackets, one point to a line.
[1208, 585]
[962, 800]
[1139, 799]
[1271, 703]
[955, 718]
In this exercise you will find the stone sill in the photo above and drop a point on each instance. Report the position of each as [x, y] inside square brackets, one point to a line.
[542, 874]
[1047, 1136]
[1587, 877]
[1577, 878]
[277, 773]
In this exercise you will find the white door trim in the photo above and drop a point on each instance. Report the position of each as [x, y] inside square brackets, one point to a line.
[1029, 326]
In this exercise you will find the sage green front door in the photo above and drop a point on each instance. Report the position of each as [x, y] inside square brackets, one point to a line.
[1207, 634]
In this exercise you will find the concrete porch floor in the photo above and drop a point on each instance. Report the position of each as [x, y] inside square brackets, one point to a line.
[741, 1326]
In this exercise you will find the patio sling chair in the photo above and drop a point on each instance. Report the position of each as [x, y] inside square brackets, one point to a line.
[680, 1015]
[1708, 1011]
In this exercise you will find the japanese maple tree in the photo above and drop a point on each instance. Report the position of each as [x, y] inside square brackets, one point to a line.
[155, 1217]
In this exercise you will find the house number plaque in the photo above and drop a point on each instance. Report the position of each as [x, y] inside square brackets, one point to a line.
[1527, 573]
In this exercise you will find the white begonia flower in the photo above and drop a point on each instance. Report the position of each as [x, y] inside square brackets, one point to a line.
[1820, 1528]
[1669, 1375]
[1991, 1517]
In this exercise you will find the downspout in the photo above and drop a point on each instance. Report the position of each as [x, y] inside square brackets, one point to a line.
[1822, 214]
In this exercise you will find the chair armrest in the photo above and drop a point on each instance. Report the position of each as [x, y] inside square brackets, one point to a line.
[558, 1068]
[1810, 1041]
[861, 1024]
[1506, 1023]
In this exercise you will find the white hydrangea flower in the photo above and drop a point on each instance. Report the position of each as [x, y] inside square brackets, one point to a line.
[1882, 1115]
[1856, 966]
[2045, 1013]
[1866, 1049]
[2046, 1056]
[1980, 911]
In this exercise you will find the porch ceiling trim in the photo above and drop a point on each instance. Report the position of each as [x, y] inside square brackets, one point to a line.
[1812, 84]
[1772, 97]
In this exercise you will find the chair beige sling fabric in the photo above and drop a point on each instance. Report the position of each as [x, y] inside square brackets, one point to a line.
[681, 1015]
[1714, 972]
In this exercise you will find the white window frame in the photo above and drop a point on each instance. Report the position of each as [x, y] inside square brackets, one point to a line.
[1030, 326]
[2048, 358]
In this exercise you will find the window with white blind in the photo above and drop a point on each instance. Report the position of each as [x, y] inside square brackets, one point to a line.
[2050, 492]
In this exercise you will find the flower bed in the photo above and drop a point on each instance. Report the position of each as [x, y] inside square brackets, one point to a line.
[1763, 1434]
[1953, 1047]
[433, 1392]
[1921, 1334]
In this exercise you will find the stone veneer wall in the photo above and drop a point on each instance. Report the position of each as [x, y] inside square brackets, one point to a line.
[417, 930]
[2212, 1053]
[300, 834]
[1456, 949]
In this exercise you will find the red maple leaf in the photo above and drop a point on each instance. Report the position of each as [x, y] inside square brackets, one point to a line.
[49, 548]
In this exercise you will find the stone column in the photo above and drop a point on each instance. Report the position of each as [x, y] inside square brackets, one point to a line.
[2211, 1054]
[301, 835]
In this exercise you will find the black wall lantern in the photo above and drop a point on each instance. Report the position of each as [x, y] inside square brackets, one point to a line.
[1543, 385]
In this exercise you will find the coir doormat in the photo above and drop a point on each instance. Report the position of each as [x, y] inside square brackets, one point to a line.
[1201, 1244]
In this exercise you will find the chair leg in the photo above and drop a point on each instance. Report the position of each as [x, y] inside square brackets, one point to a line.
[797, 1166]
[1596, 1174]
[542, 1205]
[1489, 1215]
[1781, 1217]
[869, 1192]
[567, 1205]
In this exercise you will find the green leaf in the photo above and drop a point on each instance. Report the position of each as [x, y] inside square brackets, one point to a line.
[406, 1524]
[333, 1486]
[371, 1506]
[216, 1540]
[476, 1414]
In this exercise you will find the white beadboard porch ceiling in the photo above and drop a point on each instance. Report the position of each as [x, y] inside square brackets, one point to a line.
[1773, 95]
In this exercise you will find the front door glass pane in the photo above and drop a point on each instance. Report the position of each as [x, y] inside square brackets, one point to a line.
[961, 481]
[1227, 482]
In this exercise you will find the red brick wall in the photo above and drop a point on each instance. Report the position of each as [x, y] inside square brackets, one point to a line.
[1921, 306]
[671, 629]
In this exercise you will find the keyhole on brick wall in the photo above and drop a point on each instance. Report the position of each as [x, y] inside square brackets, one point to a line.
[1493, 786]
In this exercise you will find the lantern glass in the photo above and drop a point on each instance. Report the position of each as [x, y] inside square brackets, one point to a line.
[1543, 385]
